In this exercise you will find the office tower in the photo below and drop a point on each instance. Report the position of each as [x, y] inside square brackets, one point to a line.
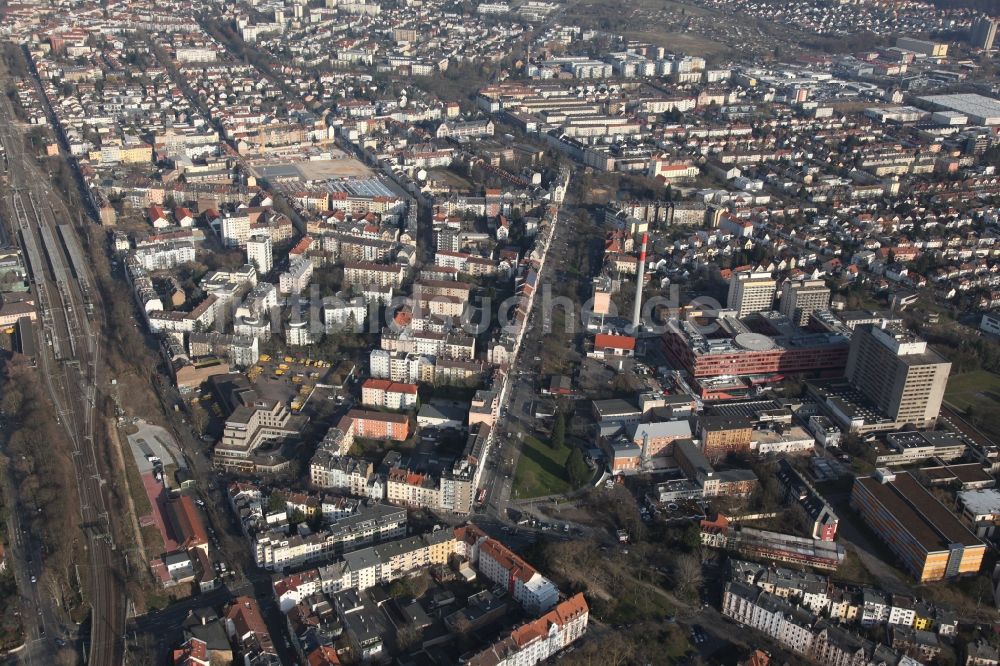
[898, 373]
[750, 292]
[800, 297]
[259, 253]
[984, 32]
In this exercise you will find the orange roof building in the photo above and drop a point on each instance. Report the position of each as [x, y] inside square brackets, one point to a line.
[547, 635]
[188, 528]
[617, 345]
[536, 593]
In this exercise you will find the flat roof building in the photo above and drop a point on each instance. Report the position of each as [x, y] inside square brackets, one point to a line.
[931, 542]
[896, 371]
[750, 292]
[981, 110]
[800, 298]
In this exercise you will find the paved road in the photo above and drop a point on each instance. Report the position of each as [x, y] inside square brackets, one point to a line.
[516, 416]
[43, 619]
[860, 543]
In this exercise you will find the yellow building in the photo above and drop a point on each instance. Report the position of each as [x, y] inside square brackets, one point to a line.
[930, 541]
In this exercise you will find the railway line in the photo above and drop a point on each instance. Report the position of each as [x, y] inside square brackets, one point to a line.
[70, 363]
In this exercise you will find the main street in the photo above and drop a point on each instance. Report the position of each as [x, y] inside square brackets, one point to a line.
[69, 363]
[516, 401]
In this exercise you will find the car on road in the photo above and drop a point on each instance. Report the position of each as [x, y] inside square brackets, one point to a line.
[200, 502]
[34, 580]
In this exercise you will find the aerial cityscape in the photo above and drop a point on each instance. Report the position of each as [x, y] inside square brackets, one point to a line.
[500, 332]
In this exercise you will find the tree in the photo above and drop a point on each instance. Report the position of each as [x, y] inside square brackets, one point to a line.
[399, 589]
[199, 417]
[276, 502]
[692, 537]
[558, 439]
[686, 573]
[576, 468]
[408, 636]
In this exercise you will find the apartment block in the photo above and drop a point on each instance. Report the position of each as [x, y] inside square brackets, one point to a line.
[275, 550]
[388, 395]
[366, 273]
[296, 279]
[723, 434]
[260, 253]
[536, 593]
[540, 639]
[376, 425]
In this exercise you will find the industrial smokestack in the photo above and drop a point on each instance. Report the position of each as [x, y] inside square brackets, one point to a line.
[640, 274]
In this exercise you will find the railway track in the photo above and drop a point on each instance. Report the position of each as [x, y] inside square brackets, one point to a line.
[70, 363]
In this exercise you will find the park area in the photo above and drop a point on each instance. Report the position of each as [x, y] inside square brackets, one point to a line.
[979, 389]
[977, 394]
[549, 468]
[541, 470]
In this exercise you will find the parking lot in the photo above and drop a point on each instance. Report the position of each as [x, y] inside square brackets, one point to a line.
[289, 378]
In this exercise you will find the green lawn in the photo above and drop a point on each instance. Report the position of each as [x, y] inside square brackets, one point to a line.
[979, 388]
[541, 470]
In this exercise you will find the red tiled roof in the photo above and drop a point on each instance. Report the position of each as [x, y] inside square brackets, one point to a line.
[187, 523]
[561, 615]
[604, 341]
[245, 615]
[324, 655]
[507, 559]
[194, 649]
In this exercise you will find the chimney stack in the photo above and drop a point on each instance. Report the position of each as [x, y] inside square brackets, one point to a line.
[640, 274]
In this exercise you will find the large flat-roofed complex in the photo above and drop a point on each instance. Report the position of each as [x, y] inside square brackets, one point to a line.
[931, 542]
[734, 349]
[981, 110]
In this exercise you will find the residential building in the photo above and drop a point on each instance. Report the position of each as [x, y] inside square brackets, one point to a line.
[798, 489]
[277, 549]
[538, 640]
[247, 630]
[388, 394]
[376, 425]
[260, 253]
[296, 279]
[721, 435]
[536, 593]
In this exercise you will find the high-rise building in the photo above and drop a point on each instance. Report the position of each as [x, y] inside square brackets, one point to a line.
[984, 33]
[898, 373]
[750, 292]
[799, 298]
[260, 253]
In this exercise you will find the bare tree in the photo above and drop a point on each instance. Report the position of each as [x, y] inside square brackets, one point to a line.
[686, 573]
